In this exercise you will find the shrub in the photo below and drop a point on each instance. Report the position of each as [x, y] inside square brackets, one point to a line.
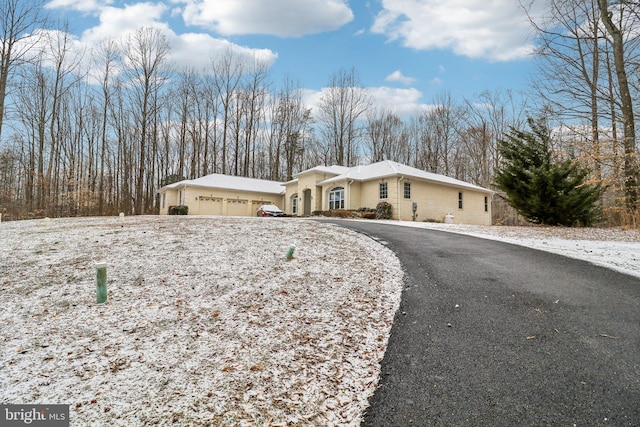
[341, 213]
[368, 215]
[542, 188]
[432, 220]
[179, 210]
[384, 210]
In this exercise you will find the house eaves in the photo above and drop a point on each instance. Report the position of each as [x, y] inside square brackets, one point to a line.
[388, 169]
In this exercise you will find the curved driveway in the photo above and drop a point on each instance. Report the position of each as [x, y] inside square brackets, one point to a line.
[493, 334]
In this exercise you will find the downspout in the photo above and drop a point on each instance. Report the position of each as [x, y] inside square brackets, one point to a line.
[398, 196]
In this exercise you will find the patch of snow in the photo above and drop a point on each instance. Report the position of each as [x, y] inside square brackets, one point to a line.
[206, 322]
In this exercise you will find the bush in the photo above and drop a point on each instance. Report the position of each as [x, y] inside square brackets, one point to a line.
[433, 220]
[341, 213]
[542, 188]
[384, 210]
[179, 210]
[368, 215]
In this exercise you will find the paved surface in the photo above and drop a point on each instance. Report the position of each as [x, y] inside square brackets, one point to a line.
[493, 334]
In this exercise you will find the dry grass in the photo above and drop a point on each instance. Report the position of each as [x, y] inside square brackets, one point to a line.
[207, 323]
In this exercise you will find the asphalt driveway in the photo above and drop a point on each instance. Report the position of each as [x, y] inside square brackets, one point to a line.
[493, 334]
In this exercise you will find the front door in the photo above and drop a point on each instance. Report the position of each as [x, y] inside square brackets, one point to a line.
[307, 202]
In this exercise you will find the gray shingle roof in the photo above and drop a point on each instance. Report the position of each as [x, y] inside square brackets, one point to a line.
[389, 168]
[217, 180]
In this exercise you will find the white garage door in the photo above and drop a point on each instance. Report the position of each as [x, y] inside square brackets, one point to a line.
[210, 206]
[237, 207]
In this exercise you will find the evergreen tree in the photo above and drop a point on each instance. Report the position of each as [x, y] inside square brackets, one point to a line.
[541, 188]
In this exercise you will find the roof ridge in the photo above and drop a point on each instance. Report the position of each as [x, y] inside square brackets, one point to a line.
[393, 166]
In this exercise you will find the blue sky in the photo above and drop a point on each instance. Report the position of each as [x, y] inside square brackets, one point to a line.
[407, 52]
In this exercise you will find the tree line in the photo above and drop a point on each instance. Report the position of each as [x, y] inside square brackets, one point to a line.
[97, 133]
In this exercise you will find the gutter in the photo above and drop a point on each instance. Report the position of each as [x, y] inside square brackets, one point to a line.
[398, 195]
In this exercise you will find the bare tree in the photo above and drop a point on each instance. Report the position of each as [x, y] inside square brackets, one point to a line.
[616, 32]
[107, 57]
[340, 112]
[289, 131]
[444, 120]
[227, 71]
[254, 96]
[570, 59]
[145, 54]
[386, 136]
[64, 63]
[486, 119]
[19, 20]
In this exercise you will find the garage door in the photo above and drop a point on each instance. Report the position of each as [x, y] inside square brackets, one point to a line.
[237, 207]
[210, 206]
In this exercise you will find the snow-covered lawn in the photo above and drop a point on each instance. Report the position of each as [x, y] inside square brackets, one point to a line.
[207, 322]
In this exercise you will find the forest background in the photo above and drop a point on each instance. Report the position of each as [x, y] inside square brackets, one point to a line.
[102, 139]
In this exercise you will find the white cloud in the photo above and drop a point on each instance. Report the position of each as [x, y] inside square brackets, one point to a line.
[197, 50]
[497, 30]
[189, 49]
[403, 102]
[115, 22]
[397, 76]
[284, 18]
[80, 5]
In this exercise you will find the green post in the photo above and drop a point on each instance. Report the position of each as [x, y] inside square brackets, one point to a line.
[101, 283]
[290, 252]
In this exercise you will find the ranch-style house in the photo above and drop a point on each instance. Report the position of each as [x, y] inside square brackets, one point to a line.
[414, 194]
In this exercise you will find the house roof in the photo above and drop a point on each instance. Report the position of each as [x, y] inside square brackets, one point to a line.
[389, 168]
[333, 170]
[239, 183]
[384, 169]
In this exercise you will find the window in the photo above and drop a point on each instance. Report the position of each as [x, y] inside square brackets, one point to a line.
[336, 198]
[164, 200]
[486, 204]
[294, 204]
[460, 200]
[407, 190]
[384, 192]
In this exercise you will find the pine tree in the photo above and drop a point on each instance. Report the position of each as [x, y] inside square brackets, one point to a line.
[541, 188]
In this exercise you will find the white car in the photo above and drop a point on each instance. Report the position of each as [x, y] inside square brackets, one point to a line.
[270, 210]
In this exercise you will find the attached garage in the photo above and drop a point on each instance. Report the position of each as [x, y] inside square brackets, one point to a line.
[218, 194]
